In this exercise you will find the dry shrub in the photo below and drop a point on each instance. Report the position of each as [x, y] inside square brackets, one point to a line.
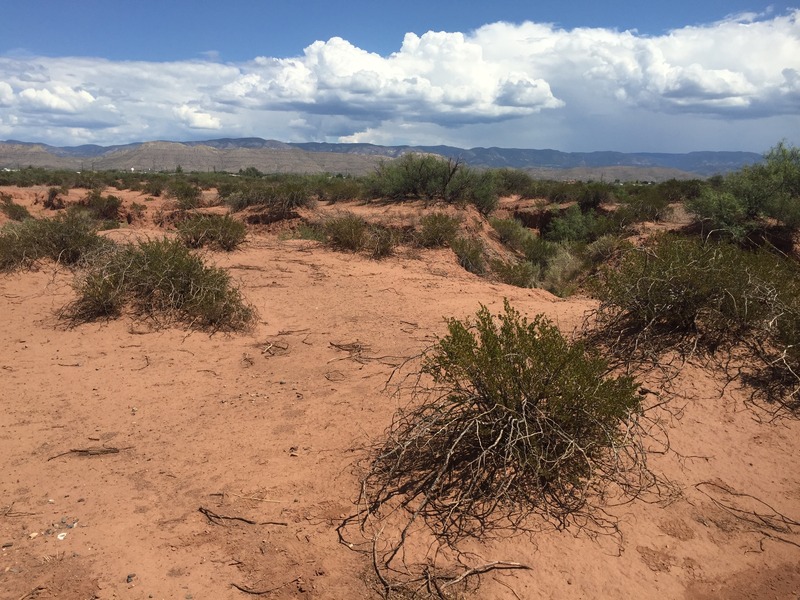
[709, 299]
[216, 231]
[160, 280]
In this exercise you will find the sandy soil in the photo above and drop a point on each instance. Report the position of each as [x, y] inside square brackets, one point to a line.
[119, 442]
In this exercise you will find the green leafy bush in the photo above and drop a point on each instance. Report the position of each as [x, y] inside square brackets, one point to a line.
[437, 230]
[744, 199]
[102, 208]
[220, 231]
[160, 280]
[470, 253]
[515, 420]
[511, 232]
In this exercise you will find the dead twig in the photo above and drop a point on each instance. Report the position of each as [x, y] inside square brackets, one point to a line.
[91, 451]
[33, 592]
[253, 592]
[216, 519]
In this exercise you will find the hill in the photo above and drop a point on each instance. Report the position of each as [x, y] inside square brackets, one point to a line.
[232, 154]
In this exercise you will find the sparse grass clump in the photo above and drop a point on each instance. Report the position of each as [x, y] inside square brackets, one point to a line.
[160, 280]
[437, 230]
[14, 211]
[217, 231]
[515, 420]
[65, 239]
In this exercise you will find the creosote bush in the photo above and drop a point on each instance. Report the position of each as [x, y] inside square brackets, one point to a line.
[216, 231]
[510, 419]
[160, 280]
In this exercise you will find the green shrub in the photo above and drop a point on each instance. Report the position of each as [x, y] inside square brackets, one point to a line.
[14, 211]
[561, 273]
[470, 253]
[380, 241]
[686, 295]
[592, 195]
[280, 198]
[346, 231]
[644, 203]
[219, 231]
[437, 230]
[184, 192]
[516, 420]
[522, 274]
[744, 199]
[160, 280]
[65, 239]
[538, 250]
[102, 208]
[572, 226]
[512, 232]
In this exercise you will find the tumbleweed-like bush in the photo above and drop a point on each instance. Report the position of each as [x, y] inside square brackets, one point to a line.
[510, 419]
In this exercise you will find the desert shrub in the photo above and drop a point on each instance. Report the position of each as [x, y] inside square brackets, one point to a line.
[512, 232]
[522, 274]
[562, 271]
[310, 231]
[538, 250]
[14, 211]
[644, 203]
[102, 208]
[280, 198]
[470, 253]
[573, 226]
[220, 231]
[605, 248]
[346, 231]
[514, 182]
[185, 193]
[65, 239]
[54, 200]
[744, 199]
[338, 188]
[154, 186]
[380, 241]
[428, 177]
[687, 295]
[512, 420]
[160, 280]
[437, 230]
[592, 195]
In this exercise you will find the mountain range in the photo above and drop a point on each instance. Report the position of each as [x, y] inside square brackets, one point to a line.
[232, 154]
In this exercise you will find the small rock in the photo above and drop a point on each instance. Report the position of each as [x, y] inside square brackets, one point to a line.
[130, 577]
[7, 545]
[33, 535]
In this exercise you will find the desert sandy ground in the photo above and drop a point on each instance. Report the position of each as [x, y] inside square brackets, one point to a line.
[114, 435]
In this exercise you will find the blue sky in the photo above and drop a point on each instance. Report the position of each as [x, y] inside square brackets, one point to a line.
[578, 75]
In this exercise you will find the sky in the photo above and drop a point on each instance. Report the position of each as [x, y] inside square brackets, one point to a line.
[583, 75]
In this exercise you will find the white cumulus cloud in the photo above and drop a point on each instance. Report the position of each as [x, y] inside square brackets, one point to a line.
[735, 81]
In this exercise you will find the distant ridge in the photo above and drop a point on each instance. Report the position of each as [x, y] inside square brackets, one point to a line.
[232, 154]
